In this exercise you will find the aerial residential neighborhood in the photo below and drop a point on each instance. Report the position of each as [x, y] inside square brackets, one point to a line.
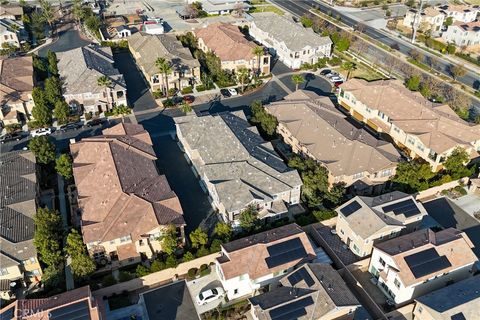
[240, 159]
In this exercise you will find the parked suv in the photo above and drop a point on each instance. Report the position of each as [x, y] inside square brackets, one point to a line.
[41, 132]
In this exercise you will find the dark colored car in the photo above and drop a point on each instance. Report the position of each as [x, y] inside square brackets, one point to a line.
[70, 126]
[325, 72]
[337, 83]
[188, 99]
[225, 93]
[15, 136]
[176, 100]
[95, 122]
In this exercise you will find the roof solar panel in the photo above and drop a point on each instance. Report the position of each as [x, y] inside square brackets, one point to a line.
[350, 208]
[292, 310]
[430, 267]
[285, 252]
[408, 208]
[458, 316]
[75, 311]
[421, 257]
[299, 275]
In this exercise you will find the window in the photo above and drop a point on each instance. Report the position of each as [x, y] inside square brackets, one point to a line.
[382, 262]
[341, 231]
[36, 272]
[126, 238]
[420, 147]
[33, 260]
[411, 141]
[420, 309]
[355, 248]
[381, 114]
[397, 130]
[358, 175]
[397, 283]
[235, 291]
[3, 271]
[242, 277]
[368, 109]
[112, 241]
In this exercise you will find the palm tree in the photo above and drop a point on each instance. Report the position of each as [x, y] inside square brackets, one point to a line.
[258, 52]
[349, 66]
[297, 79]
[165, 68]
[77, 10]
[105, 82]
[186, 107]
[242, 76]
[47, 13]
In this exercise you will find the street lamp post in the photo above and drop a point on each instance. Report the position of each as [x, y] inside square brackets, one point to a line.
[418, 14]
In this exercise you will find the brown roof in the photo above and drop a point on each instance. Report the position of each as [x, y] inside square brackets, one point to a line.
[226, 41]
[329, 137]
[247, 255]
[435, 125]
[10, 10]
[452, 243]
[119, 189]
[469, 26]
[127, 251]
[431, 12]
[16, 79]
[39, 309]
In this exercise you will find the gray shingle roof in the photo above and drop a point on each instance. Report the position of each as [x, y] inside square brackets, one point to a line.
[234, 157]
[328, 291]
[297, 37]
[17, 206]
[80, 68]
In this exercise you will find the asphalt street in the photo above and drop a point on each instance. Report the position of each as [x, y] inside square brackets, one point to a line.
[302, 7]
[67, 40]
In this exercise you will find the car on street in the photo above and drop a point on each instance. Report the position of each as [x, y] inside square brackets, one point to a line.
[325, 72]
[209, 295]
[14, 136]
[225, 93]
[96, 122]
[332, 74]
[41, 132]
[70, 126]
[233, 92]
[188, 99]
[336, 79]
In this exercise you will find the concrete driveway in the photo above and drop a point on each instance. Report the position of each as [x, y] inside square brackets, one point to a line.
[204, 283]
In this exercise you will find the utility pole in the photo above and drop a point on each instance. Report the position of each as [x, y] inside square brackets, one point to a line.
[418, 14]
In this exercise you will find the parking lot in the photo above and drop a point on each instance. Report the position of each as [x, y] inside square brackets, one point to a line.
[204, 283]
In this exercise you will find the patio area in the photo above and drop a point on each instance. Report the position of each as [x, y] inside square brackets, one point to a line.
[336, 245]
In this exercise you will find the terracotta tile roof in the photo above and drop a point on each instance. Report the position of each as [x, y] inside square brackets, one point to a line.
[431, 12]
[16, 79]
[451, 243]
[39, 309]
[119, 189]
[247, 255]
[436, 126]
[226, 41]
[11, 9]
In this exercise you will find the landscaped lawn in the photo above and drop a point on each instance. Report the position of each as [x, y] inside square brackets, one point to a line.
[267, 8]
[473, 2]
[363, 73]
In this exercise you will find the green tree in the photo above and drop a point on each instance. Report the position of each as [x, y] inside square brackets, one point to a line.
[297, 79]
[215, 246]
[413, 176]
[169, 240]
[78, 10]
[61, 111]
[53, 276]
[48, 14]
[186, 107]
[92, 22]
[324, 214]
[242, 76]
[41, 112]
[258, 51]
[63, 166]
[248, 218]
[456, 162]
[53, 90]
[48, 236]
[82, 265]
[157, 265]
[349, 67]
[306, 21]
[105, 83]
[457, 71]
[188, 256]
[451, 48]
[43, 149]
[165, 68]
[223, 230]
[413, 83]
[52, 63]
[448, 22]
[267, 122]
[40, 67]
[171, 262]
[142, 271]
[198, 237]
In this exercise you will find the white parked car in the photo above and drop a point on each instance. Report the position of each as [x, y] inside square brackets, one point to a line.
[233, 92]
[209, 295]
[332, 74]
[41, 132]
[336, 79]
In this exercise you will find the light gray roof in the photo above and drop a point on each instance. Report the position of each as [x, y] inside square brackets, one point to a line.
[80, 68]
[234, 157]
[216, 5]
[151, 47]
[297, 36]
[370, 217]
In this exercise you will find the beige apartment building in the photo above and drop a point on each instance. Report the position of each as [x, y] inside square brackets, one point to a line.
[125, 204]
[312, 126]
[417, 126]
[230, 45]
[16, 85]
[146, 49]
[364, 221]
